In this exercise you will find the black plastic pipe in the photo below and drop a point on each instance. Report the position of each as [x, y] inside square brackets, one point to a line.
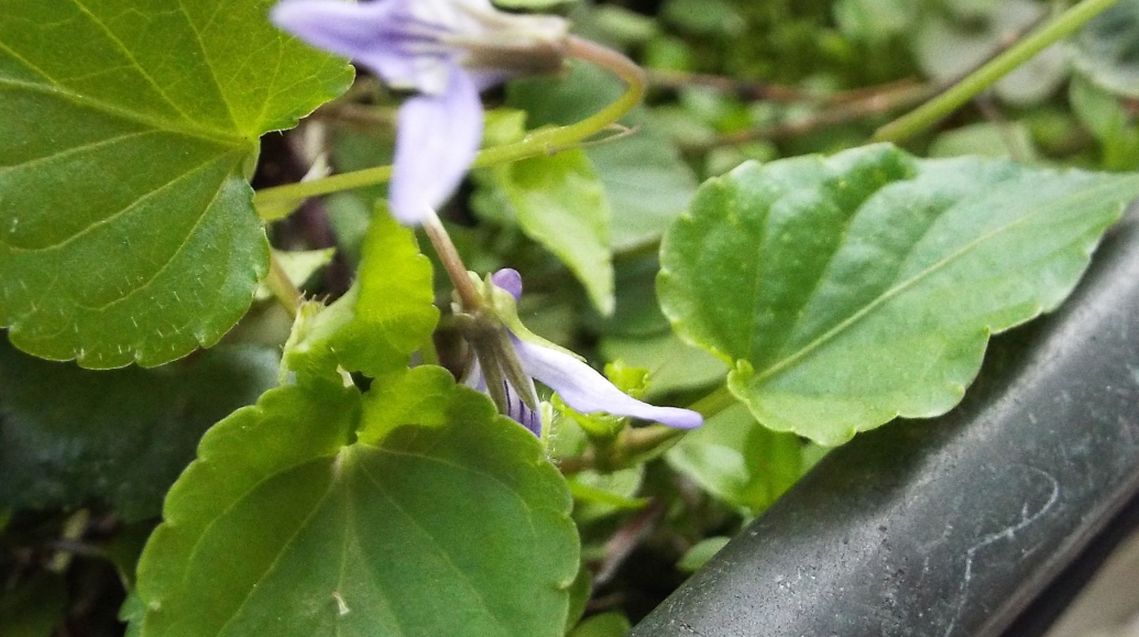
[950, 526]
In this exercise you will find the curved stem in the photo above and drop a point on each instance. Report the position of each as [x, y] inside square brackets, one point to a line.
[541, 142]
[282, 287]
[452, 262]
[941, 106]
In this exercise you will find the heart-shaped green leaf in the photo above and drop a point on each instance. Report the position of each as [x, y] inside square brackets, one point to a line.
[849, 290]
[451, 523]
[127, 128]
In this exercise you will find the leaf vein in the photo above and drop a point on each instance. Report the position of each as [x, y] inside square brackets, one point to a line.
[66, 152]
[272, 566]
[889, 294]
[434, 544]
[111, 218]
[209, 65]
[130, 56]
[193, 129]
[174, 255]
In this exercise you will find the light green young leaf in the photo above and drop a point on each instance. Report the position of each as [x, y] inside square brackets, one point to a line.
[604, 625]
[645, 180]
[127, 131]
[875, 21]
[580, 592]
[704, 550]
[1107, 50]
[121, 437]
[989, 139]
[850, 290]
[388, 314]
[451, 524]
[559, 202]
[739, 461]
[1106, 117]
[598, 495]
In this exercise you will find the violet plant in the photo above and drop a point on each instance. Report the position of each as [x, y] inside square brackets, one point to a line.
[175, 276]
[446, 50]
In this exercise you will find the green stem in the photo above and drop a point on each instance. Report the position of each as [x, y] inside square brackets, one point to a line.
[452, 262]
[941, 106]
[269, 200]
[282, 287]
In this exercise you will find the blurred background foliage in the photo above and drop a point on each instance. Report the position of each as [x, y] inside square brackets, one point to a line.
[731, 81]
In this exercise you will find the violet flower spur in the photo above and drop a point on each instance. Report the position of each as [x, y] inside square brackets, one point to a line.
[445, 50]
[509, 358]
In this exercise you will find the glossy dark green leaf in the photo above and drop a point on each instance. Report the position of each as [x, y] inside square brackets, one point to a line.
[450, 523]
[127, 130]
[70, 436]
[849, 290]
[1107, 50]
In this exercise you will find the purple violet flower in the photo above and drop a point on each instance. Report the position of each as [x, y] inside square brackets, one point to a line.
[579, 385]
[445, 50]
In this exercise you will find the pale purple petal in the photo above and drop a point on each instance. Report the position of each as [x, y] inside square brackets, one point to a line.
[509, 280]
[436, 140]
[386, 36]
[584, 389]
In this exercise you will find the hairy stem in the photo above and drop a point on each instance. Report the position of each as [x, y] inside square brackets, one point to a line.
[282, 287]
[452, 262]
